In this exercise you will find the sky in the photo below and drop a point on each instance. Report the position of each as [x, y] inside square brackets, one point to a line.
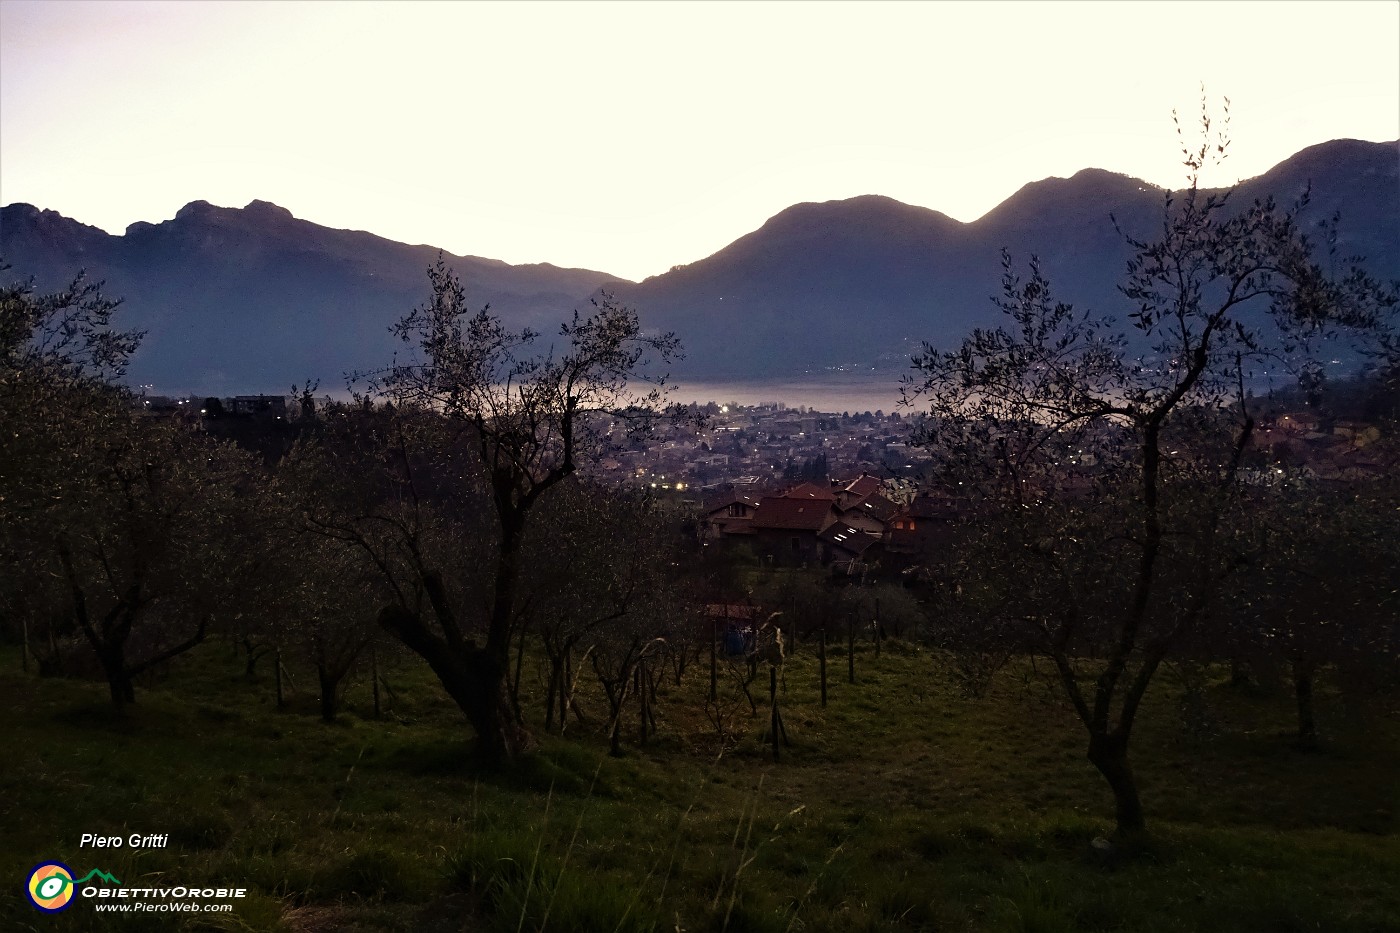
[630, 137]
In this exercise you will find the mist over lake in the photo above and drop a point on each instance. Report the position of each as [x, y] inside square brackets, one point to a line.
[877, 392]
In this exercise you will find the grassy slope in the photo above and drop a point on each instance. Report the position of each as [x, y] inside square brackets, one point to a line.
[901, 806]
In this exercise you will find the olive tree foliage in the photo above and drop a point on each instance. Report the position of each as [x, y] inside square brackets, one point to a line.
[532, 415]
[127, 533]
[333, 619]
[1108, 473]
[602, 586]
[141, 535]
[595, 562]
[64, 334]
[160, 545]
[1319, 589]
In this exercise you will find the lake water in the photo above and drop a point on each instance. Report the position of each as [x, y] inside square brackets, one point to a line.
[874, 393]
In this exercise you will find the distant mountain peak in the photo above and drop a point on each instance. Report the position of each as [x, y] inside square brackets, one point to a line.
[1341, 148]
[865, 214]
[251, 299]
[20, 219]
[869, 205]
[1320, 160]
[257, 210]
[269, 210]
[195, 209]
[1082, 194]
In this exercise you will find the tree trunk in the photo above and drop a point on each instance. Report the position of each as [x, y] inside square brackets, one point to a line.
[113, 660]
[123, 693]
[280, 700]
[1303, 688]
[616, 697]
[251, 655]
[614, 743]
[1109, 753]
[374, 677]
[482, 690]
[477, 681]
[556, 675]
[566, 689]
[643, 697]
[483, 693]
[328, 687]
[515, 681]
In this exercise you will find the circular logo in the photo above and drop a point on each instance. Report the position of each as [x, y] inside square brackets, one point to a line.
[50, 887]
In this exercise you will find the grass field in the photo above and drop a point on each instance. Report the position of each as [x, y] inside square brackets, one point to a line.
[900, 806]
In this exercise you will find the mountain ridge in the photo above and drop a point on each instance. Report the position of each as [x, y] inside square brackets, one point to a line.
[936, 284]
[255, 298]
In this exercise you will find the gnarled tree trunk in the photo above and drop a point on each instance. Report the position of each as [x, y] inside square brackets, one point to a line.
[478, 683]
[1109, 753]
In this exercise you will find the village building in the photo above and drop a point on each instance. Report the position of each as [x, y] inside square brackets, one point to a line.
[732, 515]
[785, 528]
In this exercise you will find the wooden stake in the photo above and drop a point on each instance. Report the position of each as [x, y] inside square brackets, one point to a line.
[775, 726]
[714, 669]
[278, 658]
[851, 648]
[374, 675]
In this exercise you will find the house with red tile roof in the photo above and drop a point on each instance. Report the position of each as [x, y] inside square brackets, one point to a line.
[841, 542]
[809, 491]
[870, 514]
[857, 489]
[786, 527]
[732, 515]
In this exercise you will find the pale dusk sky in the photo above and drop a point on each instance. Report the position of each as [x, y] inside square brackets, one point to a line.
[628, 137]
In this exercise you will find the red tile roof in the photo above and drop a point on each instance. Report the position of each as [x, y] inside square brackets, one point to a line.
[727, 501]
[864, 485]
[850, 539]
[795, 514]
[874, 505]
[808, 491]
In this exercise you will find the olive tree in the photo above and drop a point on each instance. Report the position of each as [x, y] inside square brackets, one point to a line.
[532, 415]
[1113, 448]
[1319, 587]
[132, 524]
[596, 562]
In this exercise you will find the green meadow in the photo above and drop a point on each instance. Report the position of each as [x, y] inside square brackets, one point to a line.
[900, 805]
